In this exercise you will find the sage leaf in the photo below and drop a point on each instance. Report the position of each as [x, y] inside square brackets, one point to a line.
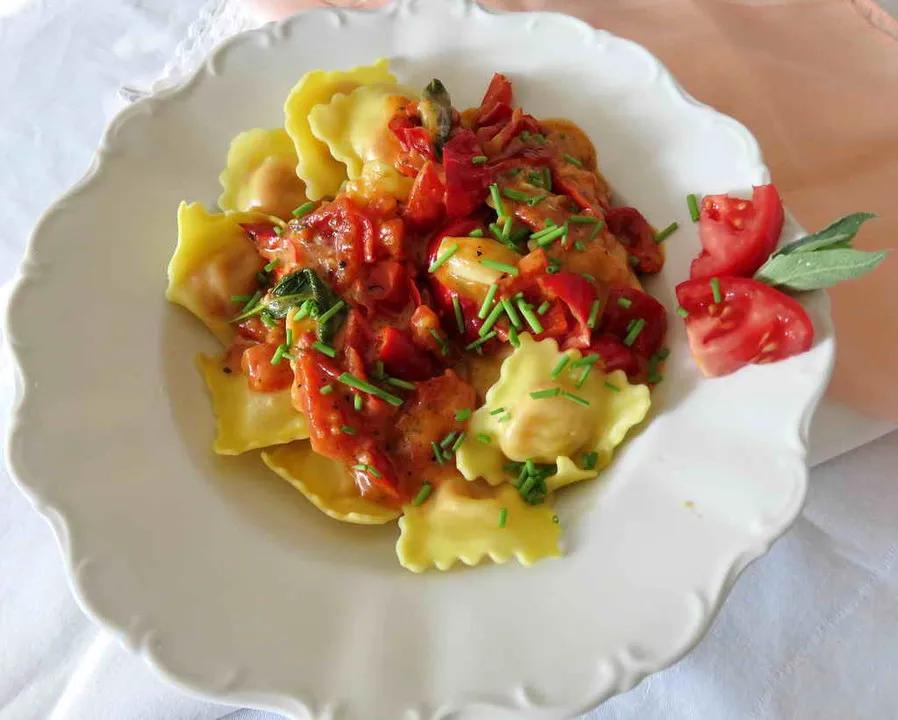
[838, 234]
[818, 269]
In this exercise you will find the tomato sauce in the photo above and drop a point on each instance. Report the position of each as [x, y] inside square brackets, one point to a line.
[373, 342]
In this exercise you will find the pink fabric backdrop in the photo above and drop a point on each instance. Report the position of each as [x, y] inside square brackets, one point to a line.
[816, 81]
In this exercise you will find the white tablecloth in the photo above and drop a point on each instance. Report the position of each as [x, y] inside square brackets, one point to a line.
[809, 631]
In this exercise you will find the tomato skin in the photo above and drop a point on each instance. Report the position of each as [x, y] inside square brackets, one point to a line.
[616, 356]
[737, 235]
[425, 205]
[753, 323]
[401, 357]
[634, 231]
[261, 375]
[616, 319]
[466, 182]
[578, 295]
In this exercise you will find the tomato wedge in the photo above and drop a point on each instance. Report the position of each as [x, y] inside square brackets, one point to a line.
[737, 235]
[752, 323]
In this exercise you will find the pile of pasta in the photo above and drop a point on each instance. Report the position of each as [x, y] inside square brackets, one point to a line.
[335, 136]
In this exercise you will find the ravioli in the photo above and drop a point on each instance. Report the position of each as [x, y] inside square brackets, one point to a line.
[326, 483]
[550, 429]
[355, 127]
[261, 174]
[459, 523]
[213, 261]
[321, 173]
[246, 419]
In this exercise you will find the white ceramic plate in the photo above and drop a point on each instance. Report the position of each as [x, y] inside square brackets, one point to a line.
[224, 577]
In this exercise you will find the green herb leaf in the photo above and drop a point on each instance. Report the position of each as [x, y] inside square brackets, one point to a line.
[842, 230]
[818, 269]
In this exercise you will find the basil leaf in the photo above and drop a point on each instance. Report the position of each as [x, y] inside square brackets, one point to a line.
[838, 234]
[818, 269]
[292, 291]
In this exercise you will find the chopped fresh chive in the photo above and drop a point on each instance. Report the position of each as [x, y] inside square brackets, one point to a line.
[458, 441]
[303, 209]
[590, 359]
[633, 331]
[588, 276]
[491, 319]
[496, 230]
[547, 179]
[484, 438]
[443, 257]
[487, 301]
[593, 314]
[654, 377]
[663, 353]
[559, 366]
[578, 245]
[528, 484]
[267, 320]
[662, 235]
[500, 266]
[611, 386]
[479, 159]
[370, 469]
[547, 393]
[397, 382]
[506, 228]
[476, 232]
[583, 376]
[357, 402]
[715, 290]
[331, 311]
[459, 316]
[589, 460]
[624, 302]
[480, 341]
[448, 440]
[497, 200]
[289, 339]
[503, 517]
[572, 160]
[422, 494]
[240, 298]
[519, 196]
[513, 316]
[278, 230]
[554, 266]
[575, 398]
[682, 312]
[327, 389]
[596, 229]
[347, 430]
[324, 348]
[543, 307]
[304, 311]
[463, 414]
[252, 302]
[692, 202]
[278, 354]
[437, 453]
[551, 236]
[530, 316]
[513, 338]
[359, 384]
[497, 411]
[584, 219]
[441, 341]
[505, 418]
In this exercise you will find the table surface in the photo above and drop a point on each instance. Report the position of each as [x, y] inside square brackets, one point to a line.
[808, 631]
